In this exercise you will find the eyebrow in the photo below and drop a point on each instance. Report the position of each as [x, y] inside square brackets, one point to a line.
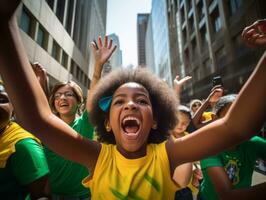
[136, 94]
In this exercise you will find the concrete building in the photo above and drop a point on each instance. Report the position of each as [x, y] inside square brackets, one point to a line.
[161, 40]
[210, 44]
[142, 22]
[56, 33]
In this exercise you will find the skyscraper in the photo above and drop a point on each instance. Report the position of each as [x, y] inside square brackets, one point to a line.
[142, 21]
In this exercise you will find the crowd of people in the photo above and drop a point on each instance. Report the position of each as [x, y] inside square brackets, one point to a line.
[132, 139]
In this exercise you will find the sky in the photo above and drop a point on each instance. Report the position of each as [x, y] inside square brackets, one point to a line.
[122, 20]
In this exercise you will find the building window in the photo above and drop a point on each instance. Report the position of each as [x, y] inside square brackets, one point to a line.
[56, 51]
[42, 37]
[234, 6]
[50, 3]
[200, 10]
[216, 20]
[69, 16]
[27, 23]
[184, 36]
[64, 59]
[182, 15]
[191, 24]
[73, 67]
[60, 8]
[203, 37]
[194, 48]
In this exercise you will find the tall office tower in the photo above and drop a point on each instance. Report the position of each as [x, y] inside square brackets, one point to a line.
[116, 59]
[160, 34]
[142, 21]
[57, 33]
[149, 50]
[210, 43]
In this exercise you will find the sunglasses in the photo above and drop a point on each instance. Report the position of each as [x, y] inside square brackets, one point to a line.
[67, 94]
[196, 105]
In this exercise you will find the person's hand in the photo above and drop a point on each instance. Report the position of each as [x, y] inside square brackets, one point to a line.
[102, 51]
[216, 94]
[255, 34]
[179, 83]
[40, 72]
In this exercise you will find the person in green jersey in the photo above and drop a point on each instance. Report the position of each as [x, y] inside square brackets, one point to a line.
[23, 166]
[66, 100]
[228, 175]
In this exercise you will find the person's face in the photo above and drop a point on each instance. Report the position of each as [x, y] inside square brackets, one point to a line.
[131, 119]
[65, 101]
[183, 122]
[195, 106]
[5, 110]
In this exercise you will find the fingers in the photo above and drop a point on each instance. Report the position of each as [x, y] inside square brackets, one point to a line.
[94, 44]
[105, 41]
[100, 42]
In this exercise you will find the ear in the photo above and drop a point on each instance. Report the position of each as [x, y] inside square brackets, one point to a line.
[107, 125]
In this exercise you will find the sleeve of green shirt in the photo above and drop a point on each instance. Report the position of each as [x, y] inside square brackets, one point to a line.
[259, 147]
[29, 161]
[213, 161]
[83, 126]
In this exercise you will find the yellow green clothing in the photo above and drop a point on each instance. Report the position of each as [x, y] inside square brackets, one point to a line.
[116, 177]
[26, 164]
[238, 164]
[66, 176]
[207, 116]
[12, 134]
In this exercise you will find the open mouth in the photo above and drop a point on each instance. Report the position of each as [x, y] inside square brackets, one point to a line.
[131, 125]
[63, 105]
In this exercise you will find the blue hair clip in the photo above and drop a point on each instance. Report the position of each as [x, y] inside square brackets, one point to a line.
[105, 102]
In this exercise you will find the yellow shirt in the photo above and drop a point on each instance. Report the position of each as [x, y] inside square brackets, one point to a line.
[116, 177]
[8, 139]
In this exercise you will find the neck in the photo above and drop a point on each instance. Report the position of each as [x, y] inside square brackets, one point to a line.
[68, 118]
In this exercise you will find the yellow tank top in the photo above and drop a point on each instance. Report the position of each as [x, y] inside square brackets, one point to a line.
[8, 139]
[116, 177]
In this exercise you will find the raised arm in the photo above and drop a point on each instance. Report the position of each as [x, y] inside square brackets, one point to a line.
[42, 77]
[101, 52]
[245, 118]
[213, 97]
[29, 101]
[225, 190]
[178, 84]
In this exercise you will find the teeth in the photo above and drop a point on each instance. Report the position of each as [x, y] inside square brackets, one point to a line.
[131, 118]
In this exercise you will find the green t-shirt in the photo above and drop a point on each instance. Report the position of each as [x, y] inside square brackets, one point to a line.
[66, 176]
[238, 164]
[26, 165]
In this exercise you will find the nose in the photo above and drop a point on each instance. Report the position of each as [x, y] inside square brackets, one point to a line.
[130, 105]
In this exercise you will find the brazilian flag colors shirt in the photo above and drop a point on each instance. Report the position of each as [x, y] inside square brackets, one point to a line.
[116, 177]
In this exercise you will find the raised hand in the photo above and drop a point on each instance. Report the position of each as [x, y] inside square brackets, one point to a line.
[179, 83]
[103, 50]
[255, 34]
[42, 77]
[216, 94]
